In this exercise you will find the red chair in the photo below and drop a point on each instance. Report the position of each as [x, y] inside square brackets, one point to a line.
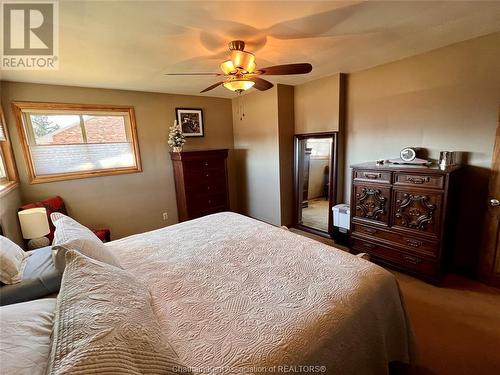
[56, 204]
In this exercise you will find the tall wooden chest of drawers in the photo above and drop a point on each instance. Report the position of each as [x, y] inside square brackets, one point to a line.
[201, 182]
[403, 216]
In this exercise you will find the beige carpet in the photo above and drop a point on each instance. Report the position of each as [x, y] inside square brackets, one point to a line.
[316, 214]
[456, 325]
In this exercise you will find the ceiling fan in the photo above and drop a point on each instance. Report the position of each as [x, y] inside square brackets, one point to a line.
[240, 71]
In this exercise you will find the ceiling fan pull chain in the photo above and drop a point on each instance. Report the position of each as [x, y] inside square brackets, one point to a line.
[239, 108]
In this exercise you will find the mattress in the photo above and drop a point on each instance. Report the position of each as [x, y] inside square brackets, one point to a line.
[233, 294]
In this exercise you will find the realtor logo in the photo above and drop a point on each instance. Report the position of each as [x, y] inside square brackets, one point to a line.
[29, 35]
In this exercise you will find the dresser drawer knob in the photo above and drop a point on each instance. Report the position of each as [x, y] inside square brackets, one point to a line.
[372, 176]
[206, 164]
[209, 201]
[208, 187]
[412, 260]
[414, 243]
[418, 180]
[207, 175]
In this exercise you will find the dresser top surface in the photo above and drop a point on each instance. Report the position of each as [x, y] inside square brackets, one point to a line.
[433, 168]
[199, 154]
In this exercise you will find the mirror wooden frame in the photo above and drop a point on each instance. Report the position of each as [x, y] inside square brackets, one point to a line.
[332, 178]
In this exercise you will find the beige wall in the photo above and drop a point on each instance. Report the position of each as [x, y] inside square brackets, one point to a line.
[316, 186]
[9, 204]
[255, 127]
[317, 105]
[129, 203]
[319, 108]
[263, 143]
[446, 99]
[8, 208]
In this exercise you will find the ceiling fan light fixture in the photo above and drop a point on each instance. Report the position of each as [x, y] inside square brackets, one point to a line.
[240, 71]
[227, 67]
[243, 60]
[251, 67]
[238, 85]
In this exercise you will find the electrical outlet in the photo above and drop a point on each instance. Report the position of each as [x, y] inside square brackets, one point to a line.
[165, 216]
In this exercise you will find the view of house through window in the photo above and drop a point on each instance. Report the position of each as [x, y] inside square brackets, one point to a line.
[69, 143]
[70, 129]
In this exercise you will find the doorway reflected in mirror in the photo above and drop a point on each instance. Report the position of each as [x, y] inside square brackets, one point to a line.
[315, 169]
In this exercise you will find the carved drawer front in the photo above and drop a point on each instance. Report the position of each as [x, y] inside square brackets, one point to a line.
[417, 211]
[397, 257]
[373, 176]
[410, 179]
[417, 245]
[371, 203]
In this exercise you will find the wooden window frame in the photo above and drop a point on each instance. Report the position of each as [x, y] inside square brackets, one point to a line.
[12, 179]
[18, 109]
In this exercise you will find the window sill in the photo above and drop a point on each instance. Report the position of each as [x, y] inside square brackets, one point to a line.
[79, 175]
[6, 187]
[320, 158]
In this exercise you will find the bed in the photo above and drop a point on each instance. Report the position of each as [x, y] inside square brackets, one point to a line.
[235, 295]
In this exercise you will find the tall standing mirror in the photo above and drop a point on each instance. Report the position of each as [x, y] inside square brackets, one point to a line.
[315, 181]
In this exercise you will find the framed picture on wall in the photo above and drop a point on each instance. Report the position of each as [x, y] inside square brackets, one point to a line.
[191, 121]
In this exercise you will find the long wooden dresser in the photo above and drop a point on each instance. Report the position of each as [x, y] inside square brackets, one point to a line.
[201, 183]
[403, 216]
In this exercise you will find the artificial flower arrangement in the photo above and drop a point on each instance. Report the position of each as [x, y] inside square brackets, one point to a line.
[175, 138]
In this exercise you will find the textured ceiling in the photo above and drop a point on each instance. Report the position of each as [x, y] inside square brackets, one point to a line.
[131, 44]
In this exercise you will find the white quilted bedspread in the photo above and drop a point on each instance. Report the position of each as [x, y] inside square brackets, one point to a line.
[235, 295]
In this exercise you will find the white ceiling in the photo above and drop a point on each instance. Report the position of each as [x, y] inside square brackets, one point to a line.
[131, 44]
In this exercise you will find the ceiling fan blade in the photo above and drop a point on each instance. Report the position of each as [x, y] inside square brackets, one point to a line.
[278, 70]
[212, 87]
[193, 74]
[260, 84]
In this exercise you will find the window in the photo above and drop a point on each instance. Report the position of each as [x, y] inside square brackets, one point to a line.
[67, 141]
[8, 172]
[3, 170]
[320, 147]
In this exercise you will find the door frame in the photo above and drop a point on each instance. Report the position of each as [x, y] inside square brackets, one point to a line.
[332, 179]
[488, 257]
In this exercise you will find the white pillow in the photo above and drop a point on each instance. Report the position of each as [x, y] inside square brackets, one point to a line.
[105, 323]
[71, 235]
[25, 338]
[12, 261]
